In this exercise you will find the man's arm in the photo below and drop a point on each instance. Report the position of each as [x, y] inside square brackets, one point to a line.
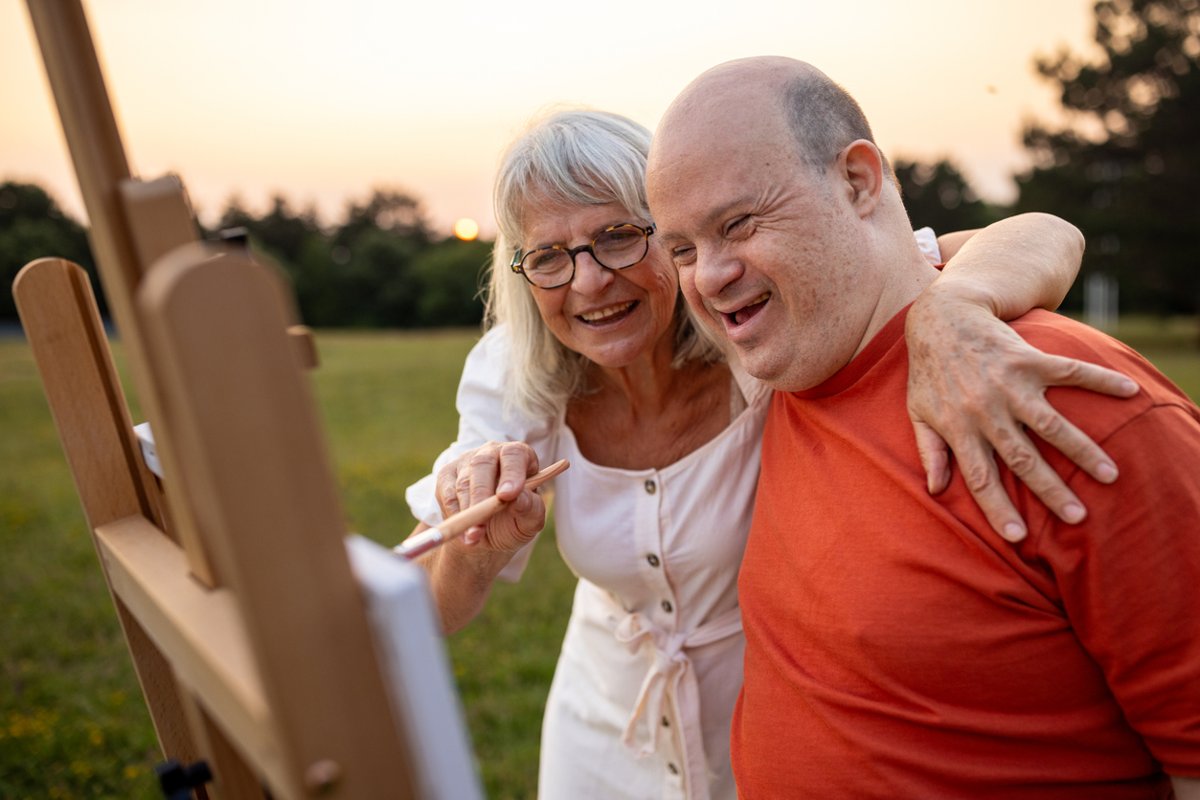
[975, 385]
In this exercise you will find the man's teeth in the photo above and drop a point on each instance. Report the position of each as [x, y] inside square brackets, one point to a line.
[745, 312]
[607, 312]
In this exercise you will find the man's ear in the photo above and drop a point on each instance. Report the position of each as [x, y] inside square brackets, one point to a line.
[860, 165]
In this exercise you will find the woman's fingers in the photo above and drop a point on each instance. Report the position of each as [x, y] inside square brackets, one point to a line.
[1063, 371]
[517, 462]
[493, 469]
[935, 457]
[1057, 431]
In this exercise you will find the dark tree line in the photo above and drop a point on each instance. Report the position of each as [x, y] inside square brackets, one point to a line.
[379, 266]
[33, 226]
[1124, 169]
[938, 196]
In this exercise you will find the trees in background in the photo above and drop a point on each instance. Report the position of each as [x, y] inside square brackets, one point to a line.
[938, 196]
[380, 266]
[33, 226]
[1126, 166]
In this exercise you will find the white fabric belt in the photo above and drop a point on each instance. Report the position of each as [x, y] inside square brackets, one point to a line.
[671, 685]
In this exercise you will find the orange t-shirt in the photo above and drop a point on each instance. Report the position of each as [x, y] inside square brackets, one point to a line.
[897, 647]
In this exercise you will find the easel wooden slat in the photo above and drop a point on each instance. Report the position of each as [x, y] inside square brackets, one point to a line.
[198, 629]
[110, 195]
[247, 432]
[63, 327]
[66, 336]
[275, 676]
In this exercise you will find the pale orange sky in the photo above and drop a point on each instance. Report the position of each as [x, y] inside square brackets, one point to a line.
[322, 100]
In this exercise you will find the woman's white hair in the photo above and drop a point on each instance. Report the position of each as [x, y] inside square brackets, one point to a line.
[569, 158]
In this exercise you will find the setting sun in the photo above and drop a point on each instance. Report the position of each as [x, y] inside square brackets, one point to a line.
[466, 229]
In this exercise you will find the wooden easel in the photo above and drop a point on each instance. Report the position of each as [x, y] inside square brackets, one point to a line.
[271, 651]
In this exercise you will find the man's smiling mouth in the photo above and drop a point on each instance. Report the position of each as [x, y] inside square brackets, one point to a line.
[746, 312]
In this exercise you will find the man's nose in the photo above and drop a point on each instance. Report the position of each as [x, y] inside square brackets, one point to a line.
[715, 271]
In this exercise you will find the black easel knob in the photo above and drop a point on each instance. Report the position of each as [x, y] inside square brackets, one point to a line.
[177, 781]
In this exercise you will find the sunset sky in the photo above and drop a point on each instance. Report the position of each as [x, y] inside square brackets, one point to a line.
[321, 101]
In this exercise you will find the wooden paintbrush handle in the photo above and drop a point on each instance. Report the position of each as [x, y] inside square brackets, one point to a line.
[457, 524]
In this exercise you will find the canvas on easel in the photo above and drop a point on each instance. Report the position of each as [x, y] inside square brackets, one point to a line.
[288, 659]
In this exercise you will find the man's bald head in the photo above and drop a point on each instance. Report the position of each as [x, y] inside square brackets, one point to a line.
[776, 207]
[821, 116]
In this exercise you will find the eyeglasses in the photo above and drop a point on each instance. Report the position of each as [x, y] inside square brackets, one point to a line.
[617, 247]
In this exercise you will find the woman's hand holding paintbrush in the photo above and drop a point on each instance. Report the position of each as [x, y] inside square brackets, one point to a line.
[473, 517]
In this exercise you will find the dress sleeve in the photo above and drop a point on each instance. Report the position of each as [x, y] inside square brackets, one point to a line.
[927, 241]
[1129, 578]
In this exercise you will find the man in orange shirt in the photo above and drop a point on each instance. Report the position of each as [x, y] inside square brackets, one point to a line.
[896, 646]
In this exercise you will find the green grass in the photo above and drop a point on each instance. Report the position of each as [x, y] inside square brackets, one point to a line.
[72, 721]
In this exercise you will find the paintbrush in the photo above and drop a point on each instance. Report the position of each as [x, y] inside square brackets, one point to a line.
[457, 524]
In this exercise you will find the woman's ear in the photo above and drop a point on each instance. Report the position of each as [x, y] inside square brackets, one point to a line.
[861, 167]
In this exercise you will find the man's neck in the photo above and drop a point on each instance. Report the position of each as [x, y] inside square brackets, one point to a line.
[906, 274]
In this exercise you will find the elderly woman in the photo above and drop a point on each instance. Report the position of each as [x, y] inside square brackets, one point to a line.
[590, 355]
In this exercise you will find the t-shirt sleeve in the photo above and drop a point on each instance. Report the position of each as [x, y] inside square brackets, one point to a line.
[1129, 577]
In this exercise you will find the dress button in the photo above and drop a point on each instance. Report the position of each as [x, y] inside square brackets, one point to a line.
[666, 606]
[666, 722]
[652, 560]
[674, 769]
[650, 487]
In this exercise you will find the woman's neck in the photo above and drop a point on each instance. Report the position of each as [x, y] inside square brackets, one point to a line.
[646, 384]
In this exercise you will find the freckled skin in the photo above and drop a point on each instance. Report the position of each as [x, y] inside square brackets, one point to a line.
[745, 217]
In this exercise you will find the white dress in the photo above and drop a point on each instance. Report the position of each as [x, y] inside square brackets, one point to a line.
[654, 626]
[651, 664]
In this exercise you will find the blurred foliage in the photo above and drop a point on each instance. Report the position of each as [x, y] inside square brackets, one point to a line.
[1122, 167]
[32, 226]
[938, 196]
[1125, 167]
[379, 266]
[72, 720]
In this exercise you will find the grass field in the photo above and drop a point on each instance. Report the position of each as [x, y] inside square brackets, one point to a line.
[72, 722]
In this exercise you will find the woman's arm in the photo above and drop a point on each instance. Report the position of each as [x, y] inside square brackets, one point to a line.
[1186, 788]
[975, 385]
[462, 571]
[951, 243]
[460, 576]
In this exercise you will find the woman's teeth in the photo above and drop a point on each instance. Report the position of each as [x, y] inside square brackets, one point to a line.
[608, 312]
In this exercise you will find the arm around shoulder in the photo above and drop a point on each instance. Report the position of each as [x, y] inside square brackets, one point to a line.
[1011, 266]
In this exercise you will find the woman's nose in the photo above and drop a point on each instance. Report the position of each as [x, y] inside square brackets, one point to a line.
[590, 277]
